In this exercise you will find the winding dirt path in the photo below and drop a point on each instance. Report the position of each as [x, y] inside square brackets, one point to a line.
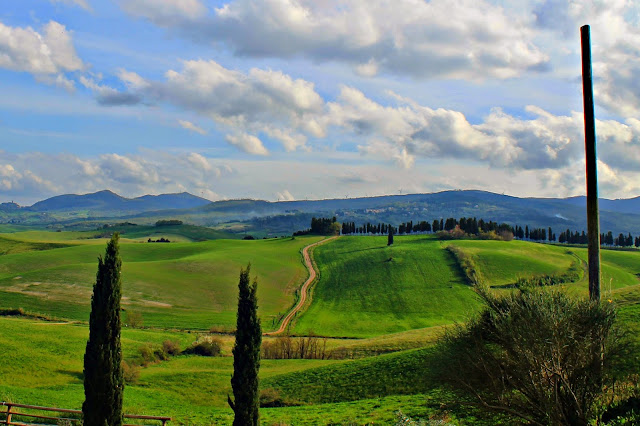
[303, 291]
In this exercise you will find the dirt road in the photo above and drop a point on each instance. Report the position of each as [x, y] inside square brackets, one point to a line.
[304, 289]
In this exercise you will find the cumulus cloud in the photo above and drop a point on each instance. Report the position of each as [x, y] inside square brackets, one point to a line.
[259, 101]
[147, 172]
[192, 127]
[108, 96]
[545, 141]
[421, 39]
[47, 54]
[615, 40]
[247, 143]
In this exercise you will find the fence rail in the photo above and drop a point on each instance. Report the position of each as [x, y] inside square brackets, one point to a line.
[12, 412]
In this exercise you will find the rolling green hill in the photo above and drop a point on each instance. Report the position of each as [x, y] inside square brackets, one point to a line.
[386, 299]
[367, 289]
[176, 285]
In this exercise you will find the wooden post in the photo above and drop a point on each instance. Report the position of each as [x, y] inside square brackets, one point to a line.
[593, 220]
[8, 414]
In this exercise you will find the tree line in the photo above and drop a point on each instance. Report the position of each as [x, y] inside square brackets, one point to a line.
[473, 226]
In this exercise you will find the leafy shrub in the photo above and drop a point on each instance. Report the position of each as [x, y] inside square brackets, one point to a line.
[209, 347]
[134, 319]
[170, 347]
[573, 274]
[130, 372]
[536, 355]
[146, 354]
[271, 397]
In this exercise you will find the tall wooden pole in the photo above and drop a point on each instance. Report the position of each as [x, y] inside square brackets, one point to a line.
[593, 220]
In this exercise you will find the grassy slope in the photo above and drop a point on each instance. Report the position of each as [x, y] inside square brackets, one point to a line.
[43, 362]
[368, 289]
[503, 262]
[183, 285]
[43, 366]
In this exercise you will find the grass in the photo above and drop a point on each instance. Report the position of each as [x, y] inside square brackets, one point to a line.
[367, 289]
[176, 285]
[393, 301]
[42, 365]
[503, 262]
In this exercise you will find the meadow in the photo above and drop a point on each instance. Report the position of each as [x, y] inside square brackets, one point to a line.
[172, 285]
[383, 307]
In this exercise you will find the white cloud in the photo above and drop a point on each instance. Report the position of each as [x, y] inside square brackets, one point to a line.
[50, 53]
[264, 101]
[148, 172]
[247, 143]
[192, 127]
[284, 196]
[462, 39]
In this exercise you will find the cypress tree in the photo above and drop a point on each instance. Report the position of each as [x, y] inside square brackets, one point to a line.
[390, 236]
[103, 380]
[246, 354]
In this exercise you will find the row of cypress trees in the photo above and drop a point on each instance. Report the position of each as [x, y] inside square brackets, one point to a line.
[103, 376]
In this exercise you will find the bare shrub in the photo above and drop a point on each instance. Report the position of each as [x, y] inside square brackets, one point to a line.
[287, 347]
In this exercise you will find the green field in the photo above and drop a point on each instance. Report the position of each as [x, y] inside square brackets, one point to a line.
[368, 289]
[175, 285]
[383, 306]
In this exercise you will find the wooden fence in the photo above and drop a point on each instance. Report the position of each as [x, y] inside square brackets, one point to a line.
[12, 412]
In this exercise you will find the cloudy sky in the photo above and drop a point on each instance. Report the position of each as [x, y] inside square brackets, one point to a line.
[296, 99]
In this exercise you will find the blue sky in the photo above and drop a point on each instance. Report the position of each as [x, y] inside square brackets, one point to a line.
[295, 99]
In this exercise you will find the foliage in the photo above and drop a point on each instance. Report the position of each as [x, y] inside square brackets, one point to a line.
[134, 319]
[467, 264]
[287, 347]
[209, 347]
[168, 222]
[538, 356]
[171, 347]
[571, 275]
[246, 354]
[271, 397]
[103, 379]
[130, 372]
[390, 236]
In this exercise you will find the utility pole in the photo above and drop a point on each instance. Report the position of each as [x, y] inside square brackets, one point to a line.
[593, 219]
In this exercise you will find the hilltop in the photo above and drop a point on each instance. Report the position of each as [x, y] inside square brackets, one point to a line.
[284, 217]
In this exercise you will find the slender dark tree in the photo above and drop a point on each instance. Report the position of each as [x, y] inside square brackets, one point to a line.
[246, 354]
[103, 380]
[390, 236]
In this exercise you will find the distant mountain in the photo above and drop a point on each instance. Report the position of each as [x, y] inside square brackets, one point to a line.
[284, 217]
[287, 216]
[623, 205]
[107, 201]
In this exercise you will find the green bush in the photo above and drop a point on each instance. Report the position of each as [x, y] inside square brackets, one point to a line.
[536, 355]
[211, 347]
[171, 347]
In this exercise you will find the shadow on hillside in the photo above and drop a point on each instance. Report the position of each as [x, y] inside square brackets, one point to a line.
[75, 374]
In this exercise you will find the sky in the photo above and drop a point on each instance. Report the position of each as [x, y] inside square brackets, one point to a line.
[312, 99]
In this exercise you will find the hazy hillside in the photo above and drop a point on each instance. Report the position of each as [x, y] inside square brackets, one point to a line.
[284, 217]
[104, 201]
